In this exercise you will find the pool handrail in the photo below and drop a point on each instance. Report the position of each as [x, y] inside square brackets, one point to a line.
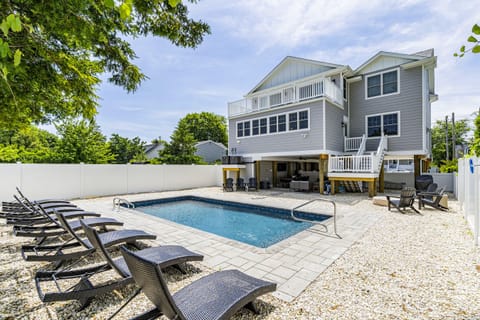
[292, 214]
[117, 201]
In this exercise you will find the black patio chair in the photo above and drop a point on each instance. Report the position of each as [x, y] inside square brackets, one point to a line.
[85, 290]
[405, 200]
[228, 185]
[240, 184]
[58, 252]
[433, 199]
[216, 296]
[252, 184]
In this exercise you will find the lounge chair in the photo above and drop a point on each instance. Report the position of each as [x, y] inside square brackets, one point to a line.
[252, 184]
[41, 201]
[228, 185]
[57, 252]
[404, 201]
[216, 296]
[162, 256]
[240, 184]
[432, 199]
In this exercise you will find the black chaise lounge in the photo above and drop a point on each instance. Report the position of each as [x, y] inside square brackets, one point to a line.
[216, 296]
[404, 201]
[162, 256]
[252, 184]
[240, 184]
[60, 252]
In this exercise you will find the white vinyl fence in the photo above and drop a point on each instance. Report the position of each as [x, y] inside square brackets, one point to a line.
[69, 181]
[468, 189]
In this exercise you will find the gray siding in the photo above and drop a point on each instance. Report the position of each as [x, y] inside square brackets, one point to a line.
[408, 102]
[335, 131]
[291, 71]
[210, 152]
[280, 142]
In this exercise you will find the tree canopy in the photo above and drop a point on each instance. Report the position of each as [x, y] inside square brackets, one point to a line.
[181, 149]
[438, 139]
[125, 150]
[205, 126]
[52, 53]
[475, 146]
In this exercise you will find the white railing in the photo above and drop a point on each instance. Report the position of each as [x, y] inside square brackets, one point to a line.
[351, 163]
[363, 146]
[353, 144]
[299, 91]
[468, 189]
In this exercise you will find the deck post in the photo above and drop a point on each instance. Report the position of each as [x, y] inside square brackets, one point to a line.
[257, 173]
[224, 176]
[381, 179]
[321, 172]
[416, 165]
[372, 188]
[332, 186]
[274, 172]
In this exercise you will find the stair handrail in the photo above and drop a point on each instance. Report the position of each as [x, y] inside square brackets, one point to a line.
[363, 144]
[292, 214]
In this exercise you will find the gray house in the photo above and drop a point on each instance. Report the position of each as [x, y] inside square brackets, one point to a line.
[152, 150]
[322, 120]
[210, 151]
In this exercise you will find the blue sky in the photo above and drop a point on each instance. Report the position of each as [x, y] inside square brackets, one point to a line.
[250, 37]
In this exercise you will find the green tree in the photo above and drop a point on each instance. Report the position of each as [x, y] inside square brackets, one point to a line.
[53, 53]
[125, 150]
[29, 145]
[474, 39]
[206, 126]
[82, 141]
[438, 139]
[181, 149]
[475, 146]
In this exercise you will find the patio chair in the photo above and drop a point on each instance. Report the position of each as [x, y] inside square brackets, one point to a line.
[228, 185]
[85, 291]
[252, 184]
[404, 201]
[57, 252]
[216, 296]
[433, 199]
[240, 184]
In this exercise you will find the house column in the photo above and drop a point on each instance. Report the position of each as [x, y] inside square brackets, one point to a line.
[257, 173]
[274, 172]
[224, 176]
[381, 179]
[323, 159]
[416, 165]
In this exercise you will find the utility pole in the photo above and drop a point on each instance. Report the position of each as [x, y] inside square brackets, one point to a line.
[446, 138]
[454, 138]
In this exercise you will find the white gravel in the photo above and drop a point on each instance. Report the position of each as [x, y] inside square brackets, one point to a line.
[406, 266]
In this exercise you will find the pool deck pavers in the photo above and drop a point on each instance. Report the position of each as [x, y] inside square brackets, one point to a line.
[293, 263]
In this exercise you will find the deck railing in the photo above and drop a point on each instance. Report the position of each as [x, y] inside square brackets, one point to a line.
[353, 144]
[291, 93]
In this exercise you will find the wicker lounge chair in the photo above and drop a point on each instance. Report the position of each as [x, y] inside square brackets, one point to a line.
[228, 185]
[404, 201]
[252, 184]
[240, 184]
[216, 296]
[163, 256]
[58, 252]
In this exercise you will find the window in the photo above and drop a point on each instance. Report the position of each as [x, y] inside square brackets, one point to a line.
[382, 84]
[273, 124]
[303, 119]
[263, 126]
[246, 128]
[240, 129]
[292, 121]
[255, 127]
[383, 124]
[282, 123]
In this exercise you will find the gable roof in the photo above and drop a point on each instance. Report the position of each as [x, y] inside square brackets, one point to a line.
[210, 141]
[291, 59]
[413, 57]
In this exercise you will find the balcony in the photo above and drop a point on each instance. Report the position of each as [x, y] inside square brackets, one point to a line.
[288, 94]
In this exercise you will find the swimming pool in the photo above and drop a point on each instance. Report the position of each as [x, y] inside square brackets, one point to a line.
[255, 225]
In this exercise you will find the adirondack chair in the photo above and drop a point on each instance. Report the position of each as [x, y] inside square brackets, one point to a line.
[404, 201]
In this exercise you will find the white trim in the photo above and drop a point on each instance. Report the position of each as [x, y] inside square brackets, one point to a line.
[294, 153]
[324, 126]
[423, 62]
[381, 83]
[388, 54]
[424, 113]
[381, 124]
[268, 124]
[406, 153]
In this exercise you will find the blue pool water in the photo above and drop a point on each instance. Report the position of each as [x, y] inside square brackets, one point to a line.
[254, 225]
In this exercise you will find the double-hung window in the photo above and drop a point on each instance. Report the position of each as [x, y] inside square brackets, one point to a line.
[384, 83]
[255, 127]
[273, 124]
[282, 123]
[292, 121]
[383, 124]
[243, 129]
[303, 120]
[263, 126]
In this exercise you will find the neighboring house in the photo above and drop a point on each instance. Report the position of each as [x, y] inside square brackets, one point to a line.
[326, 120]
[210, 151]
[152, 150]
